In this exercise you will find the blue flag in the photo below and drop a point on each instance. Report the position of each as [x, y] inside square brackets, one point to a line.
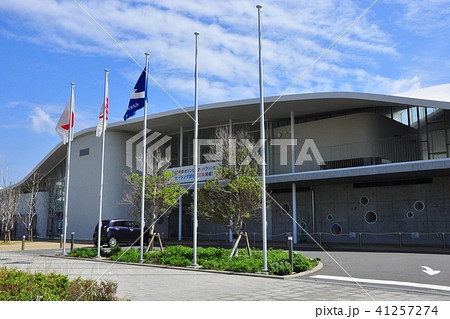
[138, 97]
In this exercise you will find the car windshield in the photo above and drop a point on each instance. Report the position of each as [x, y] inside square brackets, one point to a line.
[105, 224]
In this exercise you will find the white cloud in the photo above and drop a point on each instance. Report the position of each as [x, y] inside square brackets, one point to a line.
[425, 17]
[294, 34]
[41, 121]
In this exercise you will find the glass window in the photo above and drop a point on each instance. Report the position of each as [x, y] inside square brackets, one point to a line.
[133, 224]
[410, 215]
[336, 229]
[413, 116]
[364, 200]
[370, 217]
[400, 114]
[419, 205]
[286, 208]
[120, 223]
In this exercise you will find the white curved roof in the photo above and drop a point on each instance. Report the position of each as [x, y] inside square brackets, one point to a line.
[248, 111]
[437, 93]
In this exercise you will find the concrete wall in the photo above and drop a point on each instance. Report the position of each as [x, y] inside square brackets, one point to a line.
[282, 222]
[341, 203]
[339, 138]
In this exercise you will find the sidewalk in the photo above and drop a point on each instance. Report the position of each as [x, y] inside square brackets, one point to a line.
[38, 245]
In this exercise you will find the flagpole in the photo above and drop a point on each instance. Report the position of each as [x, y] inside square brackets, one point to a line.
[105, 114]
[144, 160]
[69, 146]
[195, 152]
[263, 152]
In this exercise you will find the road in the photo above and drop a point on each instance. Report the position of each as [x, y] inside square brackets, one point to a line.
[404, 271]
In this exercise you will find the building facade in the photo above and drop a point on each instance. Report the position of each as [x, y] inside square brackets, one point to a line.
[340, 167]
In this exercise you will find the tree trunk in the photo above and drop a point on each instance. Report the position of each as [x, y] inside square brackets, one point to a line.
[235, 250]
[7, 236]
[235, 229]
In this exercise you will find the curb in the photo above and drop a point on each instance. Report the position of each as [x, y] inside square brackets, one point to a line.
[260, 275]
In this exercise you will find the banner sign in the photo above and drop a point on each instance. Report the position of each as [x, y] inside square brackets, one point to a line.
[185, 174]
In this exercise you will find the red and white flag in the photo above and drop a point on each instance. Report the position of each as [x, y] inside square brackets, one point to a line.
[62, 128]
[104, 110]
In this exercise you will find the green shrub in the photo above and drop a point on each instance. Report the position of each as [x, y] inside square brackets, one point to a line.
[280, 268]
[245, 264]
[301, 263]
[18, 285]
[130, 256]
[87, 252]
[219, 259]
[115, 250]
[173, 255]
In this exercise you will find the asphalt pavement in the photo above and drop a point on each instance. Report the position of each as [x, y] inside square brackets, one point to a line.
[355, 276]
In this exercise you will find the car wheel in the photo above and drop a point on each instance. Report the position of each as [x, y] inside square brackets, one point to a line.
[112, 242]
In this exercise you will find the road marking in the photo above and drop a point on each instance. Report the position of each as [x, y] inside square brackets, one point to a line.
[430, 271]
[383, 282]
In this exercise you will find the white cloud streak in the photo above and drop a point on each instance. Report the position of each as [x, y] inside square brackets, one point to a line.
[294, 33]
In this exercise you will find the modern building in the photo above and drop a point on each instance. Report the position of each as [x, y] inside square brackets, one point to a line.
[340, 165]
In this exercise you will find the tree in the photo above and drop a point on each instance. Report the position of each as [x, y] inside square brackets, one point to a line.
[32, 188]
[235, 192]
[8, 206]
[161, 194]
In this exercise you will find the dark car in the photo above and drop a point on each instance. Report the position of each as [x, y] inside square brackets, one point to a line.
[115, 231]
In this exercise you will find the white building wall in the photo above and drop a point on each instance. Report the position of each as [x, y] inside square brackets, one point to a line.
[84, 192]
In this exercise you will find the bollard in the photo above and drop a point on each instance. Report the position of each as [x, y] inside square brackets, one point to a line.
[72, 240]
[23, 242]
[320, 239]
[254, 239]
[444, 243]
[360, 240]
[400, 243]
[61, 241]
[291, 251]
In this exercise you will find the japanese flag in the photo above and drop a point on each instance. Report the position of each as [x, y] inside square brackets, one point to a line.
[65, 120]
[104, 110]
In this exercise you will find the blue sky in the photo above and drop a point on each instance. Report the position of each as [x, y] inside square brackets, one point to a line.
[397, 46]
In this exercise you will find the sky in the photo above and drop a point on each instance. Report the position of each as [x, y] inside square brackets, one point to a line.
[394, 46]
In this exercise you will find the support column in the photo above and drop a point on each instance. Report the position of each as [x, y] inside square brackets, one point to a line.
[180, 203]
[313, 217]
[294, 187]
[230, 130]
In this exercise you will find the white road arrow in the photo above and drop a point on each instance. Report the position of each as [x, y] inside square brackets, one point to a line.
[430, 271]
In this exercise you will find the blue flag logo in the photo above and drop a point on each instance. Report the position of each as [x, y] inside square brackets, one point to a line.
[138, 97]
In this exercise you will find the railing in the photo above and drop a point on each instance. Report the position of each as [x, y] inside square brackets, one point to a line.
[371, 152]
[383, 151]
